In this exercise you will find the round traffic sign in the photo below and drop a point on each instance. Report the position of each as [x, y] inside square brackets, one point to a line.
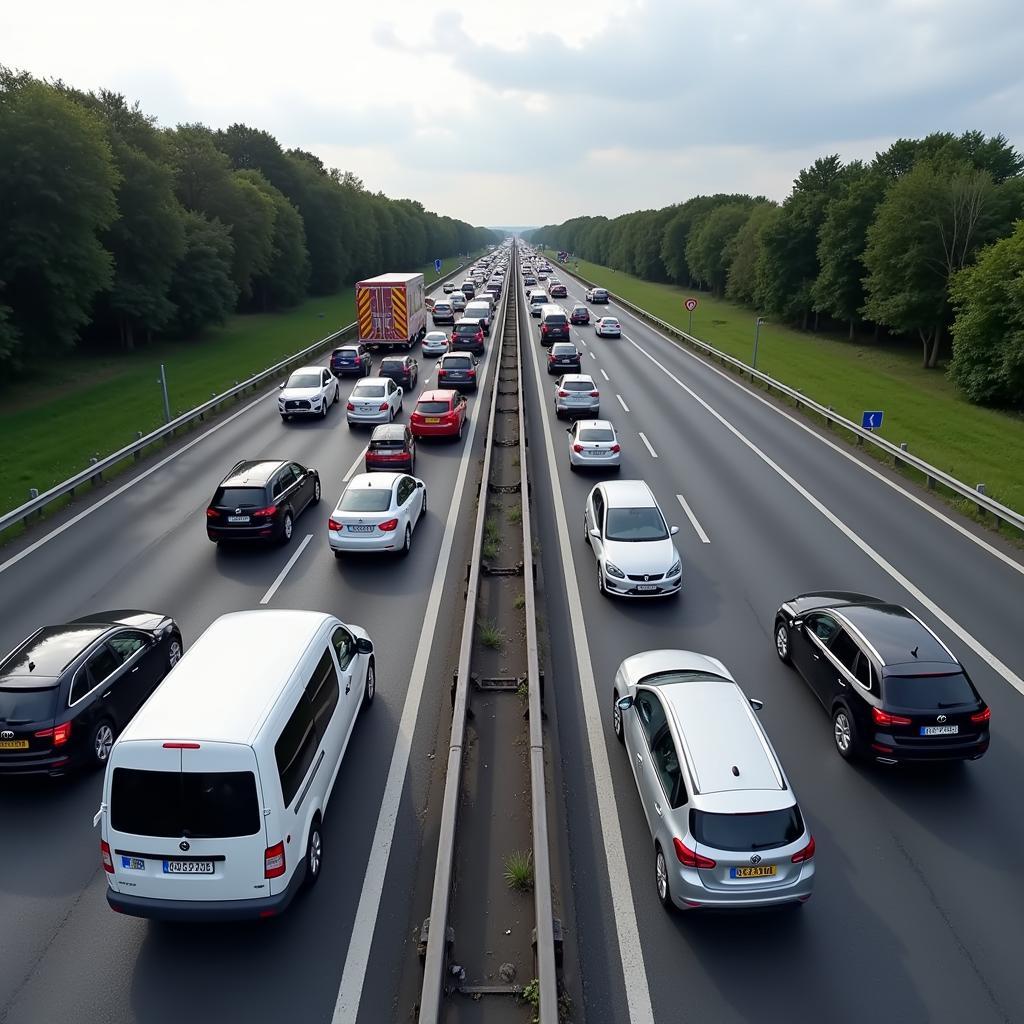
[691, 304]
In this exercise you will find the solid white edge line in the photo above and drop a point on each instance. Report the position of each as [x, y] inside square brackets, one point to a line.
[605, 375]
[693, 520]
[643, 437]
[355, 465]
[995, 663]
[357, 958]
[265, 599]
[622, 403]
[634, 971]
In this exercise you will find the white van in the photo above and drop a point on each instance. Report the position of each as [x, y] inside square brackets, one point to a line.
[479, 309]
[215, 792]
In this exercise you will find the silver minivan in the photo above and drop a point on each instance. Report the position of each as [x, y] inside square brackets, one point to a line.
[725, 824]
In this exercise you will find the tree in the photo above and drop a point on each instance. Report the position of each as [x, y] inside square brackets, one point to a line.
[203, 289]
[988, 331]
[744, 251]
[708, 251]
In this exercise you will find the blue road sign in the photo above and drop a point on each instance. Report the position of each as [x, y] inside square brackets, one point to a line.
[871, 420]
[437, 266]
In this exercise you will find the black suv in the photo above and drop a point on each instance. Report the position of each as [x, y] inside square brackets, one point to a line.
[67, 691]
[261, 500]
[354, 360]
[564, 357]
[403, 370]
[892, 688]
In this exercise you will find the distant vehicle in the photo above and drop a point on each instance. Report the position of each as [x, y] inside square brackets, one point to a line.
[391, 311]
[351, 359]
[554, 325]
[310, 391]
[435, 343]
[377, 512]
[374, 400]
[66, 691]
[580, 315]
[529, 279]
[538, 299]
[458, 301]
[594, 443]
[403, 370]
[260, 499]
[893, 690]
[457, 370]
[557, 290]
[439, 413]
[391, 447]
[467, 336]
[564, 356]
[607, 327]
[597, 295]
[576, 394]
[468, 288]
[448, 287]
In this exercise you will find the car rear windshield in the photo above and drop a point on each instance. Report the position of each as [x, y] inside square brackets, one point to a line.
[555, 318]
[929, 692]
[345, 354]
[442, 307]
[635, 524]
[433, 408]
[365, 499]
[458, 363]
[20, 706]
[596, 434]
[378, 444]
[577, 385]
[193, 805]
[560, 348]
[742, 832]
[392, 366]
[467, 329]
[240, 497]
[304, 380]
[368, 391]
[539, 297]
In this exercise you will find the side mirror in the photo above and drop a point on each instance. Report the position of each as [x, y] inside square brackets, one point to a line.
[281, 387]
[568, 430]
[673, 530]
[364, 646]
[755, 703]
[797, 623]
[419, 483]
[595, 533]
[624, 703]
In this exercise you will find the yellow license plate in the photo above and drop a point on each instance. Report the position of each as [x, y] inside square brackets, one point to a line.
[757, 871]
[13, 744]
[432, 419]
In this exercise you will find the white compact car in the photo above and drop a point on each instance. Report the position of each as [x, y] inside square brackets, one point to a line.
[607, 327]
[448, 287]
[435, 343]
[594, 443]
[631, 541]
[374, 400]
[310, 391]
[377, 512]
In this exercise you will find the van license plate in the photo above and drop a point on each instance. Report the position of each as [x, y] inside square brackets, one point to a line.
[133, 863]
[939, 730]
[760, 871]
[188, 867]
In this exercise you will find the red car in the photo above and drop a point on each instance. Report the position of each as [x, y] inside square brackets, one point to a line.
[579, 315]
[439, 413]
[392, 447]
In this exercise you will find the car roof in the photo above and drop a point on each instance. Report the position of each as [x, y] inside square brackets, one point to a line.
[578, 376]
[228, 682]
[438, 395]
[598, 424]
[565, 344]
[628, 493]
[373, 481]
[308, 369]
[897, 636]
[39, 659]
[394, 359]
[373, 380]
[251, 473]
[389, 430]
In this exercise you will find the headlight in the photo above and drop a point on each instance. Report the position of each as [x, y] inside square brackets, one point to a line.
[677, 568]
[614, 570]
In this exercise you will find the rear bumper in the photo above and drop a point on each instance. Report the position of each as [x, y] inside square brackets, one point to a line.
[38, 764]
[887, 749]
[355, 420]
[207, 910]
[388, 465]
[434, 430]
[242, 533]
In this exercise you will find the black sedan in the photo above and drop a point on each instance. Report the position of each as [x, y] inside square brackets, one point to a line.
[67, 691]
[893, 690]
[403, 370]
[260, 500]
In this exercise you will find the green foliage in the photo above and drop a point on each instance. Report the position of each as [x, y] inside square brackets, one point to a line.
[744, 251]
[490, 634]
[709, 250]
[202, 287]
[519, 870]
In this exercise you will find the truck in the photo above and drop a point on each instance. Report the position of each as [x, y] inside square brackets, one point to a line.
[391, 311]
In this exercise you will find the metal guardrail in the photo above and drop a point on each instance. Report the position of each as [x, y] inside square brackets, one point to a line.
[932, 474]
[94, 473]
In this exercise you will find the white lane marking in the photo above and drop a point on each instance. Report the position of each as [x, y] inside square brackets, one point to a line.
[583, 342]
[605, 375]
[643, 437]
[350, 990]
[622, 403]
[355, 465]
[265, 599]
[634, 971]
[886, 566]
[693, 520]
[592, 356]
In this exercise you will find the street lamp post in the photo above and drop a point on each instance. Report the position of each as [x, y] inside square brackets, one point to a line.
[757, 330]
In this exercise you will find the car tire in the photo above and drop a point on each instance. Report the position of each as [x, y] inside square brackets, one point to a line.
[287, 527]
[620, 734]
[661, 882]
[586, 533]
[601, 589]
[175, 649]
[423, 510]
[337, 394]
[391, 415]
[844, 733]
[323, 409]
[782, 641]
[285, 419]
[314, 854]
[572, 466]
[338, 555]
[407, 543]
[370, 686]
[315, 500]
[101, 742]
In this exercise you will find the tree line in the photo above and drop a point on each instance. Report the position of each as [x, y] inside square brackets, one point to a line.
[114, 230]
[924, 241]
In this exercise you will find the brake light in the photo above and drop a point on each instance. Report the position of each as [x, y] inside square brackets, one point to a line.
[349, 406]
[616, 448]
[333, 524]
[383, 407]
[174, 745]
[472, 373]
[595, 394]
[388, 526]
[563, 394]
[212, 513]
[442, 372]
[885, 718]
[266, 512]
[982, 716]
[273, 861]
[108, 861]
[577, 448]
[689, 858]
[59, 734]
[805, 854]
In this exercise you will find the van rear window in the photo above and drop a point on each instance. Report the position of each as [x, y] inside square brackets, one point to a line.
[191, 805]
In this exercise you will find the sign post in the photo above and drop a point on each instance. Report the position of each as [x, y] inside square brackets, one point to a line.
[691, 305]
[872, 419]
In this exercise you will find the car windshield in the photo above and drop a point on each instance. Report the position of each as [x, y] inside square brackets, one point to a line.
[304, 380]
[366, 499]
[635, 524]
[928, 693]
[18, 706]
[368, 391]
[742, 832]
[240, 497]
[432, 408]
[595, 434]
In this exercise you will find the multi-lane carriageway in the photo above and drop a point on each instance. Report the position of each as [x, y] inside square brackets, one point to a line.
[919, 908]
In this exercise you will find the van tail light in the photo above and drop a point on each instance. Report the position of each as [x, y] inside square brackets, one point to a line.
[595, 394]
[805, 854]
[108, 861]
[333, 524]
[471, 373]
[577, 448]
[212, 513]
[616, 448]
[388, 526]
[349, 406]
[690, 858]
[885, 718]
[273, 861]
[982, 716]
[60, 734]
[442, 372]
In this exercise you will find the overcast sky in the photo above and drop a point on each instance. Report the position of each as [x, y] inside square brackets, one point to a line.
[521, 113]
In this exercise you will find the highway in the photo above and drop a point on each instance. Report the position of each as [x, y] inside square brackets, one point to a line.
[918, 907]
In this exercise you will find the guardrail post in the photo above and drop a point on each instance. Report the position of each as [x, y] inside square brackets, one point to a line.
[981, 490]
[895, 457]
[33, 493]
[138, 437]
[98, 476]
[828, 419]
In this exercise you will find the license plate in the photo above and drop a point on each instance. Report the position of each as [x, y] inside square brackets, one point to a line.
[360, 529]
[432, 419]
[188, 867]
[939, 730]
[133, 863]
[13, 744]
[756, 871]
[238, 519]
[647, 586]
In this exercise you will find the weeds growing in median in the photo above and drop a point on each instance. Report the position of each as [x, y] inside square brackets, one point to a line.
[519, 870]
[490, 635]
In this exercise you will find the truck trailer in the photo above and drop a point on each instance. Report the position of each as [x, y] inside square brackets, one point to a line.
[390, 311]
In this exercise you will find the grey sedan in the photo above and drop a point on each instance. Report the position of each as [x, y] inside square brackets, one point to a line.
[576, 394]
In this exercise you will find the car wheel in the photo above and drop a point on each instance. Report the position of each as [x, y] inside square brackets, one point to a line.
[314, 854]
[462, 427]
[316, 492]
[617, 718]
[401, 404]
[337, 555]
[101, 740]
[661, 879]
[337, 394]
[572, 466]
[174, 651]
[407, 545]
[423, 510]
[285, 419]
[371, 684]
[601, 589]
[391, 414]
[586, 533]
[782, 641]
[287, 526]
[844, 733]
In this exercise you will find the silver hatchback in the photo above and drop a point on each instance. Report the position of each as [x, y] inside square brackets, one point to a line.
[576, 394]
[726, 828]
[594, 443]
